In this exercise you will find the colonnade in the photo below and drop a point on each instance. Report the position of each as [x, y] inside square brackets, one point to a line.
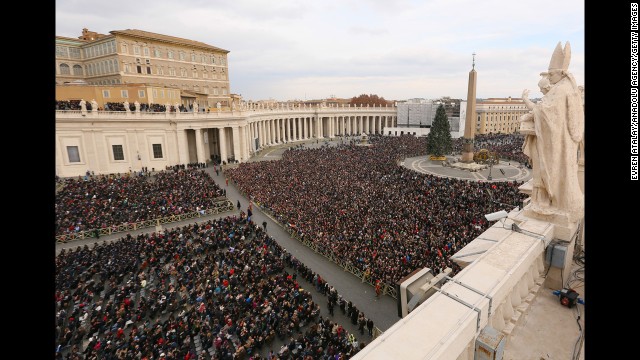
[239, 142]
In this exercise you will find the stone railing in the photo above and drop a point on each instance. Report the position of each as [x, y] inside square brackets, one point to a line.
[496, 290]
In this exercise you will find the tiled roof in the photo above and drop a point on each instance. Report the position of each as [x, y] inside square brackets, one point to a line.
[171, 39]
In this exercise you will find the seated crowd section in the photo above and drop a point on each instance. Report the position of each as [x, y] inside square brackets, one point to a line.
[357, 203]
[222, 289]
[106, 200]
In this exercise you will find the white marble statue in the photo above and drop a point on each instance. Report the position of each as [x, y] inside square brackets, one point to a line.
[137, 105]
[218, 106]
[558, 122]
[83, 105]
[126, 106]
[167, 107]
[94, 105]
[195, 106]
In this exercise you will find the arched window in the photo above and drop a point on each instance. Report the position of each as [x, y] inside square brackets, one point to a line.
[77, 70]
[64, 69]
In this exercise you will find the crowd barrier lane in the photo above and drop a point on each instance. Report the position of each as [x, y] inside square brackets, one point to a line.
[221, 206]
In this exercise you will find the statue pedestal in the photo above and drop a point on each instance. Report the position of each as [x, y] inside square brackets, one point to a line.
[564, 237]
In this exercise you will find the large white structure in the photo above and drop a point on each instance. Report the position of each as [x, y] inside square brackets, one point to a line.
[419, 113]
[110, 142]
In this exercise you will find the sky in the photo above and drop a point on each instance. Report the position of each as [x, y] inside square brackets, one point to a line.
[315, 49]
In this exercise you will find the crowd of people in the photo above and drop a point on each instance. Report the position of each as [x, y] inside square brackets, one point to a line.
[357, 204]
[119, 106]
[216, 290]
[508, 147]
[110, 200]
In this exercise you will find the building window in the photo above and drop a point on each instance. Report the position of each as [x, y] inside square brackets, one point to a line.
[145, 51]
[74, 53]
[193, 57]
[157, 151]
[224, 91]
[127, 68]
[124, 48]
[115, 65]
[195, 74]
[136, 50]
[203, 59]
[147, 61]
[64, 69]
[62, 51]
[213, 59]
[170, 54]
[139, 69]
[172, 72]
[73, 153]
[160, 71]
[222, 61]
[124, 93]
[155, 93]
[138, 61]
[183, 72]
[205, 75]
[148, 70]
[215, 91]
[141, 93]
[106, 94]
[77, 70]
[181, 53]
[118, 154]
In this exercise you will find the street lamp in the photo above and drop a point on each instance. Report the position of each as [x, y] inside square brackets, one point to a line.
[492, 160]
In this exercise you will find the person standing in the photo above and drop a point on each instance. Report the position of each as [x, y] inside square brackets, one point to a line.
[264, 225]
[239, 206]
[370, 326]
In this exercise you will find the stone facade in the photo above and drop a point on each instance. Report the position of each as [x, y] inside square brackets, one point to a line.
[136, 56]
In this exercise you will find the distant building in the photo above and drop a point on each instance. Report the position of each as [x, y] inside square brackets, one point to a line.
[419, 113]
[499, 115]
[131, 56]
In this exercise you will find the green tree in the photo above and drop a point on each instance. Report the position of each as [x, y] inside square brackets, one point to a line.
[439, 141]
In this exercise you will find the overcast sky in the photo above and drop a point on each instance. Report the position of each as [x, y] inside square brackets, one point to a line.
[311, 49]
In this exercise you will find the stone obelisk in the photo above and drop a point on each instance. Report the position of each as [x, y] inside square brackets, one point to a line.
[470, 122]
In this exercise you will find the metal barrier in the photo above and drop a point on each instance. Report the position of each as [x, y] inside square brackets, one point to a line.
[217, 208]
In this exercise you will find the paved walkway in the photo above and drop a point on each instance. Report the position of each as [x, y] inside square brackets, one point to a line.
[503, 171]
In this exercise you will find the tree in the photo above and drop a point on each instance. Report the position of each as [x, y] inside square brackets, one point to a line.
[370, 99]
[439, 141]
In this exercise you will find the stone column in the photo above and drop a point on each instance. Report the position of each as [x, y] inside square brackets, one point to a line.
[223, 144]
[277, 126]
[183, 146]
[379, 123]
[305, 131]
[296, 132]
[199, 146]
[236, 142]
[360, 128]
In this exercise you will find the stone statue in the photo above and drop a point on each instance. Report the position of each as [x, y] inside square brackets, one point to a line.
[137, 105]
[218, 106]
[94, 105]
[126, 106]
[177, 106]
[83, 106]
[233, 105]
[558, 122]
[195, 106]
[167, 107]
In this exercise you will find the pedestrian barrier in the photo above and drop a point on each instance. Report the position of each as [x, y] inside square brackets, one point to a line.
[220, 206]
